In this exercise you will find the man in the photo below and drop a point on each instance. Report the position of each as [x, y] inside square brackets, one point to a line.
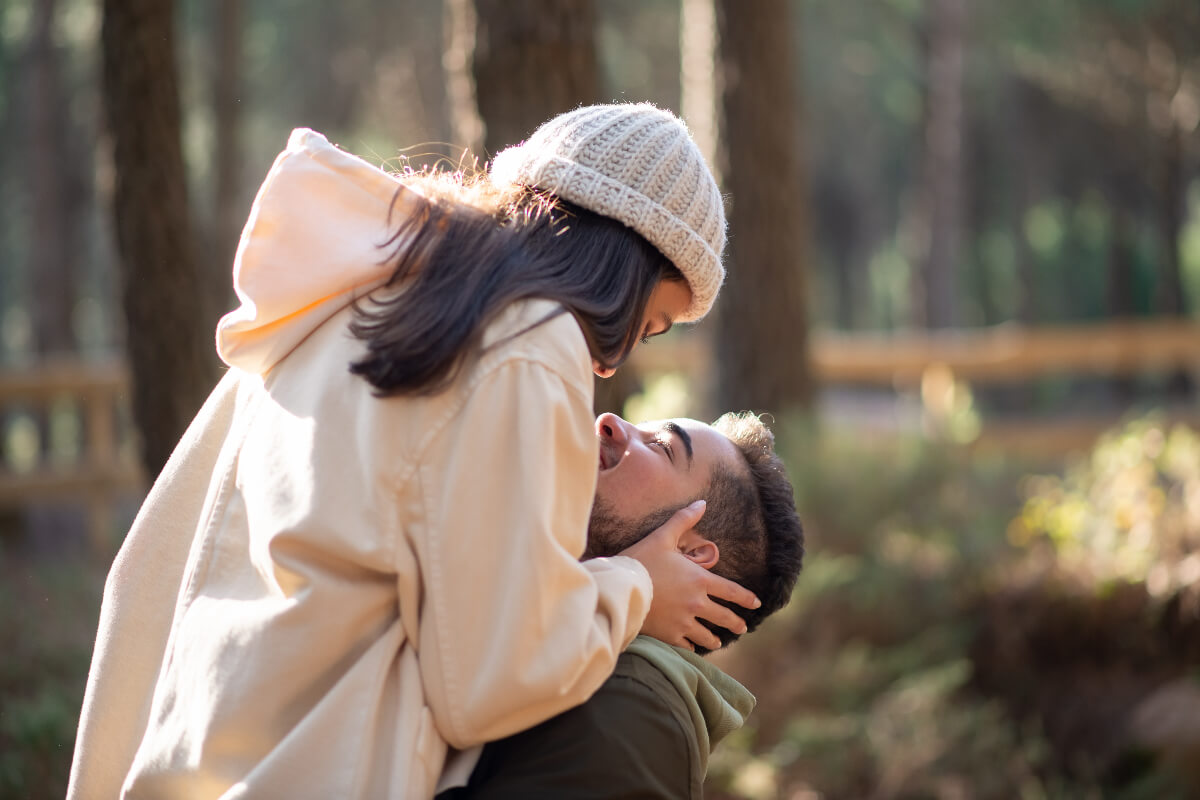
[648, 731]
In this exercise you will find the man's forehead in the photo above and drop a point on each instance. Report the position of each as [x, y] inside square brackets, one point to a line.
[707, 442]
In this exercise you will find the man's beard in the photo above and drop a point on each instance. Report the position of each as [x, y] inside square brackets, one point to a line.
[609, 534]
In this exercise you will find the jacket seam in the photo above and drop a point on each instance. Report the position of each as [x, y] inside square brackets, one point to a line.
[465, 395]
[449, 666]
[194, 577]
[220, 505]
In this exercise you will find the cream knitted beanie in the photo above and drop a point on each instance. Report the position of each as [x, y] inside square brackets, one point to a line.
[638, 164]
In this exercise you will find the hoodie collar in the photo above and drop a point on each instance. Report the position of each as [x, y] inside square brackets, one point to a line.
[716, 702]
[315, 241]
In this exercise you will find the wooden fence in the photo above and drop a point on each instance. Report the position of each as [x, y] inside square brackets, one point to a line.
[105, 468]
[915, 361]
[1002, 354]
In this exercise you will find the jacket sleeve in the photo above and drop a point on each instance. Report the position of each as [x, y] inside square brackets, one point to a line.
[513, 628]
[139, 602]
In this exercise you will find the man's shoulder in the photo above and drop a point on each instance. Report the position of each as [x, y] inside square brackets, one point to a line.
[643, 671]
[636, 680]
[632, 738]
[636, 714]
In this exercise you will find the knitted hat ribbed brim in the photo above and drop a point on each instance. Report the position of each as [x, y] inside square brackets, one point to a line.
[638, 164]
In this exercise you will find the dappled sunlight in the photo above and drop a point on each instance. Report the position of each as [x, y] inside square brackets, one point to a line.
[962, 244]
[948, 406]
[21, 444]
[665, 396]
[1130, 511]
[939, 591]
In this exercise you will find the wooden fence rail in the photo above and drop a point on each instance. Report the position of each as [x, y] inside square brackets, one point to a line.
[106, 468]
[1004, 354]
[989, 355]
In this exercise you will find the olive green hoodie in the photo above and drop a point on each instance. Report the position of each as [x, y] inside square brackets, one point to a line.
[647, 733]
[717, 704]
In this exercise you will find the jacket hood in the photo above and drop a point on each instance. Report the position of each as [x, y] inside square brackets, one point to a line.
[717, 703]
[314, 243]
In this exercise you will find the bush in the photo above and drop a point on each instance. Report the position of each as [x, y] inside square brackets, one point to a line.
[962, 630]
[48, 614]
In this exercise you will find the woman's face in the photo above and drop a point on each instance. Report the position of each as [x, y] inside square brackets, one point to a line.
[668, 300]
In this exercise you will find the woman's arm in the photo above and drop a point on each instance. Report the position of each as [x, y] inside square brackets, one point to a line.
[513, 629]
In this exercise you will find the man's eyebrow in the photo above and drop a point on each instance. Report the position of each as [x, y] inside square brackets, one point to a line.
[684, 436]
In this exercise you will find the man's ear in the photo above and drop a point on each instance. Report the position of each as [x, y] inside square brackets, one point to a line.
[703, 551]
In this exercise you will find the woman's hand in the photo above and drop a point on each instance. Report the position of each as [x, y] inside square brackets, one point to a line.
[682, 588]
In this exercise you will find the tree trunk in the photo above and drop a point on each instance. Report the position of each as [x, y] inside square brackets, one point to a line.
[169, 346]
[1169, 297]
[228, 209]
[1121, 266]
[1120, 289]
[698, 76]
[426, 54]
[12, 71]
[466, 128]
[699, 107]
[838, 219]
[1025, 153]
[532, 61]
[52, 247]
[762, 319]
[938, 221]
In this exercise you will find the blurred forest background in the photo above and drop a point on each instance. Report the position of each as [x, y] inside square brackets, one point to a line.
[964, 280]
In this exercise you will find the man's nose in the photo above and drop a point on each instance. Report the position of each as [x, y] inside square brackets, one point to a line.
[610, 426]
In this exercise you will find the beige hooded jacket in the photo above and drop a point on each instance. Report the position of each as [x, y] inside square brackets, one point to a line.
[324, 589]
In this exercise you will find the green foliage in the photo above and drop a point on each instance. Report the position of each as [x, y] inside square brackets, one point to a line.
[47, 621]
[872, 653]
[868, 683]
[37, 732]
[1049, 163]
[1127, 512]
[1189, 251]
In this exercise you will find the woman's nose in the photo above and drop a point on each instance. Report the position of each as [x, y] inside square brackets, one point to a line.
[603, 372]
[610, 426]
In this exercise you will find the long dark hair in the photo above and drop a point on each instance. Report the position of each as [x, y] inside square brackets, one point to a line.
[470, 249]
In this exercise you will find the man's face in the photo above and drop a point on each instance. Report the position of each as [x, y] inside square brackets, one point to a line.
[647, 469]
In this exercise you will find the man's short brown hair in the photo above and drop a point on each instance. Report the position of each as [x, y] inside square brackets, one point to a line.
[753, 522]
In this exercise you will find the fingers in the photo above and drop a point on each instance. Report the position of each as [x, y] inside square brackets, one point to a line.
[703, 637]
[685, 518]
[680, 523]
[734, 593]
[724, 617]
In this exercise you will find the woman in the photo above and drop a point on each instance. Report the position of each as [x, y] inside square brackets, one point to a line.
[364, 550]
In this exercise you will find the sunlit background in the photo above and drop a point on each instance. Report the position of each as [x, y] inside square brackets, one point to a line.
[964, 283]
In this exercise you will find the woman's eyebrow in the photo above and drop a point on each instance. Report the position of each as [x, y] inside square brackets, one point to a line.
[667, 325]
[684, 436]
